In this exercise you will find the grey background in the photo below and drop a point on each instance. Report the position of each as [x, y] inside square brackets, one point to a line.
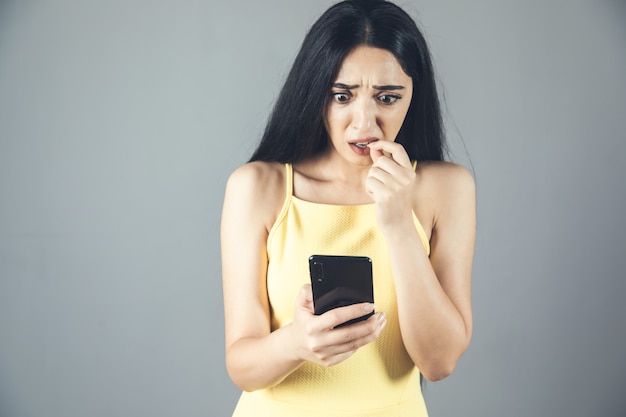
[121, 120]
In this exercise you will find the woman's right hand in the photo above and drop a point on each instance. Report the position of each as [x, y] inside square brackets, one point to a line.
[318, 340]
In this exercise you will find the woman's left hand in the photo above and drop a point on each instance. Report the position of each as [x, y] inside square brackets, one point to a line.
[390, 183]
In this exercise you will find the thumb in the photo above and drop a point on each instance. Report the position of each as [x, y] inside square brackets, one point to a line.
[305, 298]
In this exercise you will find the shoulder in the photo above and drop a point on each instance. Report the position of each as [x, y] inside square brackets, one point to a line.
[256, 189]
[443, 177]
[444, 171]
[248, 177]
[444, 189]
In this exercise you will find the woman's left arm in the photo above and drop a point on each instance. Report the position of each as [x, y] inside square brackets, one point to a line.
[433, 293]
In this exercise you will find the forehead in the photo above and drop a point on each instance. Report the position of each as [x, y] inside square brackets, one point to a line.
[365, 62]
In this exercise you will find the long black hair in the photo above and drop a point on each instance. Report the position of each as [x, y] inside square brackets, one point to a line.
[295, 129]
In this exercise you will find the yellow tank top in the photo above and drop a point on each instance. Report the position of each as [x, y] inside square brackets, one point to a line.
[379, 379]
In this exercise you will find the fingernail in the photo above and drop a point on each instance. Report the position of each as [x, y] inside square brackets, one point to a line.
[368, 308]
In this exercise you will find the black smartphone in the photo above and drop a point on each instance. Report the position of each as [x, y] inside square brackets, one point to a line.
[339, 281]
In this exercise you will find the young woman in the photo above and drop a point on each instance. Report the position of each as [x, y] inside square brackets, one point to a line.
[351, 163]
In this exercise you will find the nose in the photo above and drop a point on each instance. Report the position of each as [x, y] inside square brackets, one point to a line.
[363, 115]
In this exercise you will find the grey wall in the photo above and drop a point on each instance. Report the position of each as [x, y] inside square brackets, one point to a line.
[120, 121]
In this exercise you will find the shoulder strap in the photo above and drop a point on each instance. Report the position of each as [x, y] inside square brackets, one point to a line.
[288, 181]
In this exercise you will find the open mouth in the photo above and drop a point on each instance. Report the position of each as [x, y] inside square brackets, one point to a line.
[364, 144]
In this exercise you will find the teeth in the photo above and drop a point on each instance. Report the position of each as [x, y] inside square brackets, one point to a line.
[362, 144]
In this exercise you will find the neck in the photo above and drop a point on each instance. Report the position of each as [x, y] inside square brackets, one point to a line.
[330, 167]
[329, 179]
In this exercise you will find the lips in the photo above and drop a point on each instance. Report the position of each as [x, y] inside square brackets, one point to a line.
[360, 146]
[362, 143]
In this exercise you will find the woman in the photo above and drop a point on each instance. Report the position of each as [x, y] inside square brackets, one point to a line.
[351, 163]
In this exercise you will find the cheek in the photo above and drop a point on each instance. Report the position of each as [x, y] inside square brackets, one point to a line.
[392, 124]
[400, 118]
[402, 113]
[394, 120]
[336, 121]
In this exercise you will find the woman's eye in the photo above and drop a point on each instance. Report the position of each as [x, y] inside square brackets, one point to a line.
[388, 99]
[341, 97]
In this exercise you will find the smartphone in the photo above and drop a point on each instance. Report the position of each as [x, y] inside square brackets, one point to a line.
[339, 281]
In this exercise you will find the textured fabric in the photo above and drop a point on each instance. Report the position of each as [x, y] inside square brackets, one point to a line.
[379, 379]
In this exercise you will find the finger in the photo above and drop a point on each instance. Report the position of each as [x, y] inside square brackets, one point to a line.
[340, 315]
[375, 154]
[375, 186]
[307, 292]
[394, 150]
[305, 298]
[357, 335]
[388, 171]
[341, 343]
[384, 174]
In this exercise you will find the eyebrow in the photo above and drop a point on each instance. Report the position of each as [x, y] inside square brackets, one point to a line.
[376, 87]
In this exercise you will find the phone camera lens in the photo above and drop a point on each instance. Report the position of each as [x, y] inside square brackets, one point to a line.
[318, 271]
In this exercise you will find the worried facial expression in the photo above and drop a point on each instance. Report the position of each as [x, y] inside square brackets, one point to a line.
[369, 101]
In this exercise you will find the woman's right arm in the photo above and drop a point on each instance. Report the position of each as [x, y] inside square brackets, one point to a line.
[256, 357]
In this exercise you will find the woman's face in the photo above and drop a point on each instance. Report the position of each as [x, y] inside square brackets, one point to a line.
[369, 101]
